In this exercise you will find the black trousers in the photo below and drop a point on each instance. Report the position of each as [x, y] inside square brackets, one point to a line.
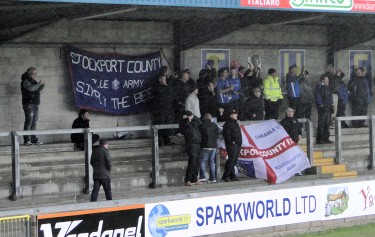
[304, 111]
[106, 183]
[324, 119]
[341, 112]
[233, 153]
[163, 118]
[359, 108]
[294, 103]
[194, 162]
[271, 109]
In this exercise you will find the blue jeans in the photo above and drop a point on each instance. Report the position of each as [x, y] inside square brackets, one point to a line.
[31, 117]
[210, 156]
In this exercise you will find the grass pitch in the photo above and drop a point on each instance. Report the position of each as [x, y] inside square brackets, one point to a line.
[355, 231]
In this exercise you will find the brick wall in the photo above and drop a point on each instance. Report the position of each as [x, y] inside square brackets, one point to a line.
[42, 49]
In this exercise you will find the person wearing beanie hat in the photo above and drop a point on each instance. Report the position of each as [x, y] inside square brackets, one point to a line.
[273, 96]
[189, 128]
[192, 102]
[233, 142]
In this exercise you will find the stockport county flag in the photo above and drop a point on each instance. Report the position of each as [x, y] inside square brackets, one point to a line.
[269, 153]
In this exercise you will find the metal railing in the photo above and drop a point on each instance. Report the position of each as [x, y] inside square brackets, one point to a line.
[88, 183]
[155, 164]
[15, 136]
[16, 179]
[15, 226]
[338, 136]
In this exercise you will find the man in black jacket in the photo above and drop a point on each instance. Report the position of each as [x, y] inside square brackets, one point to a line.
[254, 106]
[82, 121]
[324, 103]
[30, 90]
[233, 142]
[209, 133]
[189, 128]
[101, 164]
[162, 108]
[360, 95]
[291, 125]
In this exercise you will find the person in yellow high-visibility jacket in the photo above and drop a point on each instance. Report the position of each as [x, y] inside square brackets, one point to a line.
[273, 96]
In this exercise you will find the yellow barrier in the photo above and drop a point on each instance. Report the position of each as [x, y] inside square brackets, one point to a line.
[15, 226]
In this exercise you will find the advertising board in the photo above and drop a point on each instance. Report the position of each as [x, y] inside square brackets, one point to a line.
[117, 221]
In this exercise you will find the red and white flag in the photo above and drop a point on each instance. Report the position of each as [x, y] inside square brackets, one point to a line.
[269, 153]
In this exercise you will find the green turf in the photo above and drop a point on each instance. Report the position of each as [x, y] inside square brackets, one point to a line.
[355, 231]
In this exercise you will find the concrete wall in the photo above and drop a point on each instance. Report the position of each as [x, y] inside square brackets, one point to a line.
[266, 41]
[42, 49]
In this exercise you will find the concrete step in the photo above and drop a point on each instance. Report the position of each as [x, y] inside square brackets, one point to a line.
[329, 169]
[345, 174]
[55, 172]
[79, 197]
[67, 146]
[121, 181]
[323, 161]
[348, 149]
[357, 162]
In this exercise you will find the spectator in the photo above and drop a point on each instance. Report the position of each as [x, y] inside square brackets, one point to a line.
[181, 90]
[192, 102]
[251, 80]
[171, 78]
[209, 133]
[162, 108]
[203, 79]
[360, 96]
[254, 106]
[101, 164]
[292, 127]
[235, 82]
[343, 97]
[334, 80]
[233, 142]
[193, 140]
[30, 90]
[306, 96]
[293, 88]
[224, 90]
[324, 103]
[207, 100]
[211, 70]
[273, 97]
[82, 122]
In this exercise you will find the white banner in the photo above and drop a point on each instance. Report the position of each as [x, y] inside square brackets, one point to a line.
[202, 216]
[269, 153]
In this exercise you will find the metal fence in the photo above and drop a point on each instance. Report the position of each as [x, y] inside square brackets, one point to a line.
[15, 226]
[338, 137]
[88, 183]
